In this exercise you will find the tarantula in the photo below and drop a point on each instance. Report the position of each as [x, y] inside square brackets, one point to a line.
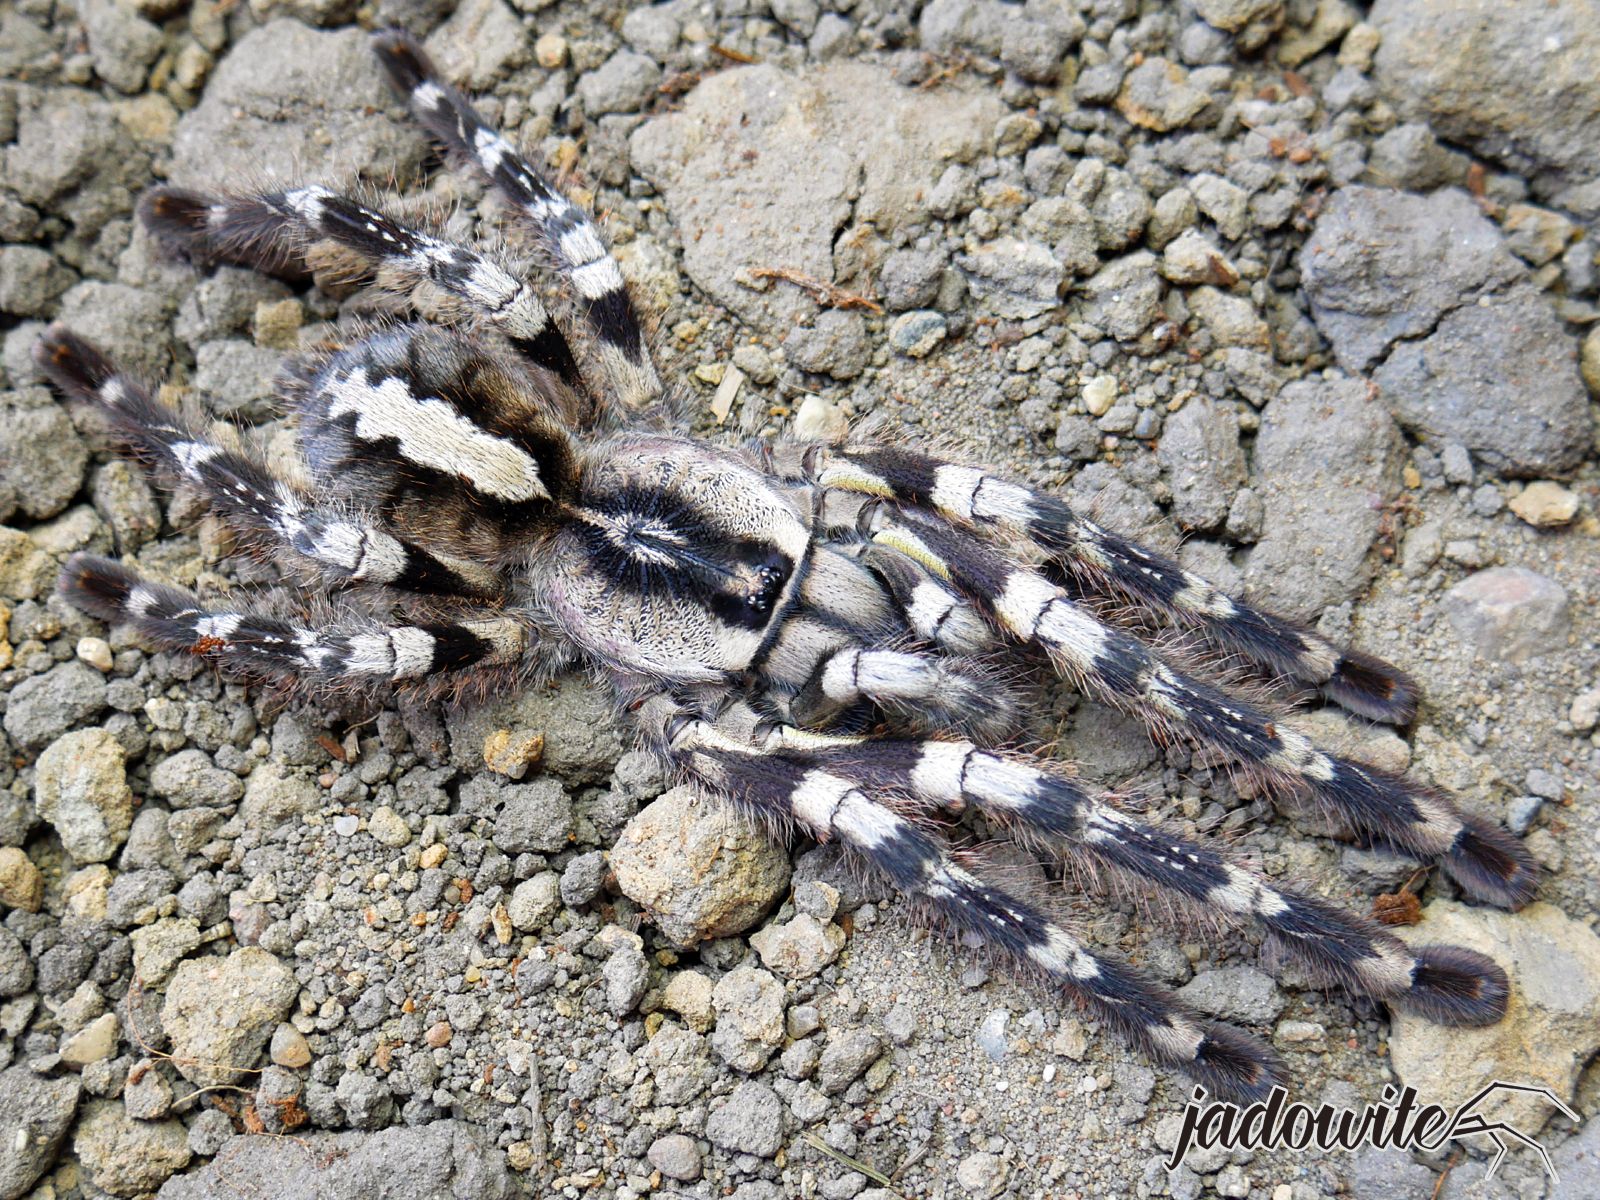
[805, 630]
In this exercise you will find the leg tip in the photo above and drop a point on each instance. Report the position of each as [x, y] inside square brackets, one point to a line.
[1372, 688]
[1456, 986]
[97, 586]
[74, 365]
[402, 58]
[1232, 1065]
[1492, 865]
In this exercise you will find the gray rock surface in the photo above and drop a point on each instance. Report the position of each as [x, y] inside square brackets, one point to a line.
[288, 96]
[749, 1006]
[787, 163]
[1243, 995]
[441, 1159]
[81, 789]
[1383, 265]
[35, 1111]
[1205, 465]
[127, 1157]
[1509, 613]
[41, 457]
[1517, 83]
[582, 740]
[220, 1012]
[480, 41]
[1499, 377]
[750, 1122]
[700, 870]
[1326, 459]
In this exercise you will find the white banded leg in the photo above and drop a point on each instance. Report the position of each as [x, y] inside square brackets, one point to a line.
[336, 545]
[1446, 983]
[924, 689]
[1115, 667]
[1109, 564]
[576, 247]
[271, 227]
[933, 610]
[370, 657]
[832, 808]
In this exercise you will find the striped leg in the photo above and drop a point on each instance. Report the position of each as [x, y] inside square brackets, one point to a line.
[573, 241]
[368, 658]
[1110, 564]
[830, 807]
[1120, 670]
[933, 611]
[922, 690]
[335, 546]
[1449, 984]
[273, 228]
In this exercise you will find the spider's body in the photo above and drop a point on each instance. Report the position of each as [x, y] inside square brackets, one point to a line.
[809, 631]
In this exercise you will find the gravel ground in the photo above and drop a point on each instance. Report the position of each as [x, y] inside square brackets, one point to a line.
[1303, 292]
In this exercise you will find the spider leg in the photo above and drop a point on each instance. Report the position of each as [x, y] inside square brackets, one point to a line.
[926, 690]
[1118, 669]
[831, 807]
[574, 243]
[936, 613]
[1449, 984]
[337, 545]
[367, 657]
[1108, 563]
[269, 229]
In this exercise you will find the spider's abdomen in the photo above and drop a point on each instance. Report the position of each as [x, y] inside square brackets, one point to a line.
[449, 443]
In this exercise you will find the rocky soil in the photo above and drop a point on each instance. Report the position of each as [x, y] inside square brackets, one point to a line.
[1305, 292]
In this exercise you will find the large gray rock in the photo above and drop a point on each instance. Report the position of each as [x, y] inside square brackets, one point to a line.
[70, 156]
[480, 42]
[1516, 80]
[1500, 378]
[761, 158]
[290, 99]
[128, 323]
[750, 1122]
[1383, 265]
[1577, 1162]
[34, 1114]
[749, 1004]
[41, 457]
[1327, 458]
[1509, 613]
[447, 1160]
[578, 720]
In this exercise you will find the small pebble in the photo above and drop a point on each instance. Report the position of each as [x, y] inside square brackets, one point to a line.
[96, 652]
[819, 420]
[916, 333]
[1543, 504]
[1099, 394]
[550, 51]
[676, 1156]
[289, 1047]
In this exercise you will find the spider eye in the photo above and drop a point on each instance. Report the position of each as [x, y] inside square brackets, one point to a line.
[767, 585]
